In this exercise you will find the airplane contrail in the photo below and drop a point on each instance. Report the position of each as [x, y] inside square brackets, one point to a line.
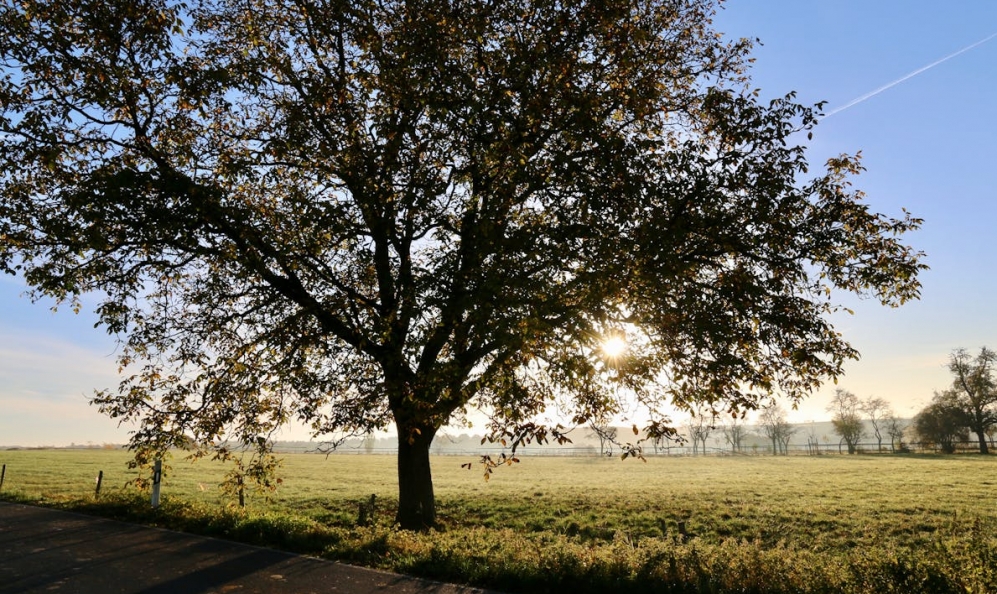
[905, 77]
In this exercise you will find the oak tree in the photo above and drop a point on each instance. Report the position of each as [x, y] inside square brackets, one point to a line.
[371, 213]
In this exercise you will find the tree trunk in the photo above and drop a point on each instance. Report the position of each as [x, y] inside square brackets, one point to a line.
[983, 442]
[416, 502]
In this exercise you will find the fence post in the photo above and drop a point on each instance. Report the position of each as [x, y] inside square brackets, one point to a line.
[3, 473]
[100, 479]
[157, 477]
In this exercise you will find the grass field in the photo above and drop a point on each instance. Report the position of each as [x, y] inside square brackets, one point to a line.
[862, 524]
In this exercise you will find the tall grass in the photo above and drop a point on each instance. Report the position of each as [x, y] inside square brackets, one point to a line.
[765, 525]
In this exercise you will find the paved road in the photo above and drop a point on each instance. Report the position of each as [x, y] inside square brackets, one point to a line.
[44, 550]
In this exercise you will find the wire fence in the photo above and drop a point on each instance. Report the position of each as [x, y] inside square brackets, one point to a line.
[755, 449]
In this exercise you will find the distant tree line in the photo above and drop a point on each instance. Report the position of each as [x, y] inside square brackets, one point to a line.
[969, 406]
[849, 415]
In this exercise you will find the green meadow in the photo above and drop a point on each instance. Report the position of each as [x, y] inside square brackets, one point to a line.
[851, 524]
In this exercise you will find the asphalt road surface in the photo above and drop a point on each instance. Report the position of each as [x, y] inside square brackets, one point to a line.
[44, 550]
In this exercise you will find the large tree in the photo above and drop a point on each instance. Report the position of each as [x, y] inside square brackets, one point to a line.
[363, 213]
[974, 390]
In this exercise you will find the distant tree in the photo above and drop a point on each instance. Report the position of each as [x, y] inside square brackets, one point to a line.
[775, 426]
[896, 428]
[845, 417]
[943, 423]
[606, 436]
[699, 426]
[369, 441]
[440, 441]
[658, 441]
[367, 214]
[734, 432]
[876, 411]
[974, 390]
[785, 434]
[813, 440]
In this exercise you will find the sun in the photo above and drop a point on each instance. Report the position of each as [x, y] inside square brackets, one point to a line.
[614, 346]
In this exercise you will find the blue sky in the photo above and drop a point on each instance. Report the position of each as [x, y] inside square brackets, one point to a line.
[928, 144]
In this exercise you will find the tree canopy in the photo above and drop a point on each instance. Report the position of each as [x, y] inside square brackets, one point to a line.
[943, 423]
[357, 214]
[844, 408]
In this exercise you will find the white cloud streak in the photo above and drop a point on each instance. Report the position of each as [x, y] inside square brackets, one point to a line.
[907, 76]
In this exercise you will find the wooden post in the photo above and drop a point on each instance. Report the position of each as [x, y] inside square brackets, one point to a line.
[242, 493]
[157, 477]
[3, 473]
[100, 479]
[683, 534]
